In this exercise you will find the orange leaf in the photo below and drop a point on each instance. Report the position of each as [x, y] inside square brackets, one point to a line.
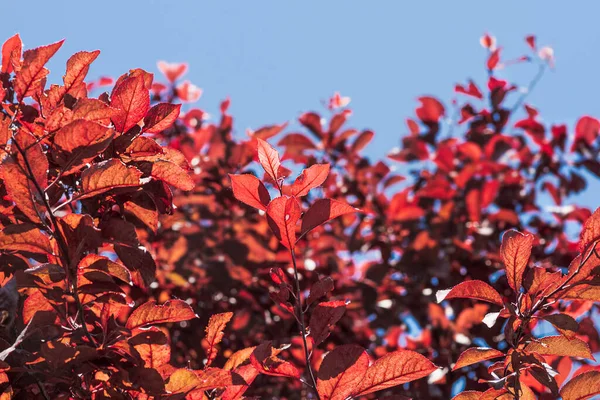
[105, 264]
[153, 346]
[475, 355]
[582, 387]
[30, 78]
[265, 360]
[324, 317]
[311, 177]
[34, 302]
[80, 142]
[238, 358]
[322, 211]
[341, 371]
[132, 99]
[248, 189]
[474, 289]
[393, 369]
[182, 380]
[236, 391]
[150, 313]
[161, 117]
[563, 323]
[214, 335]
[468, 395]
[94, 110]
[108, 175]
[25, 237]
[172, 174]
[515, 251]
[560, 346]
[283, 214]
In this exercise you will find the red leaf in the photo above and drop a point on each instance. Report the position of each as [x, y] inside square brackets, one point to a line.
[108, 175]
[362, 141]
[236, 391]
[267, 132]
[323, 318]
[322, 211]
[150, 313]
[394, 369]
[30, 78]
[591, 230]
[283, 214]
[312, 121]
[430, 110]
[493, 59]
[79, 142]
[77, 68]
[474, 289]
[160, 117]
[471, 90]
[94, 110]
[188, 92]
[310, 178]
[264, 359]
[530, 39]
[11, 51]
[214, 335]
[319, 289]
[24, 237]
[515, 252]
[269, 159]
[20, 189]
[172, 174]
[172, 71]
[586, 130]
[583, 386]
[341, 371]
[153, 347]
[248, 189]
[475, 355]
[132, 99]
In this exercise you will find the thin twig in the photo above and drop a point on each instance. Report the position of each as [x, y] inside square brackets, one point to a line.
[63, 248]
[301, 321]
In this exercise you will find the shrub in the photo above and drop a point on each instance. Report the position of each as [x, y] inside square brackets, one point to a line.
[158, 256]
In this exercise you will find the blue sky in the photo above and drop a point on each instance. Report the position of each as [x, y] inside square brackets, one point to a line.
[277, 59]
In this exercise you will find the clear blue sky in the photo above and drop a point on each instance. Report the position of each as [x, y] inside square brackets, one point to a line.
[278, 58]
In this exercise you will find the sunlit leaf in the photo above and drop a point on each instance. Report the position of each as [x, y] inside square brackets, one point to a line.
[475, 355]
[515, 251]
[394, 369]
[322, 211]
[341, 371]
[248, 189]
[310, 178]
[283, 214]
[150, 313]
[474, 289]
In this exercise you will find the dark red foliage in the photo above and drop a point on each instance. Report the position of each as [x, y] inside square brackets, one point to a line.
[158, 257]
